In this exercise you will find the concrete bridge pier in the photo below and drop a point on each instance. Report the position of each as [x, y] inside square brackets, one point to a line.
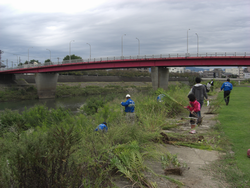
[46, 85]
[159, 76]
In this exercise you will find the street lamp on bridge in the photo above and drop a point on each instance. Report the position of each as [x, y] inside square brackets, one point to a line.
[197, 44]
[187, 41]
[89, 51]
[70, 50]
[122, 43]
[16, 58]
[138, 46]
[29, 55]
[50, 55]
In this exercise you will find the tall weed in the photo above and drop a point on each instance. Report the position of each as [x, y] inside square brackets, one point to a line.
[42, 158]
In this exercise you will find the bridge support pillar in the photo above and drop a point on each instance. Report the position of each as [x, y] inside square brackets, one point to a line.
[159, 76]
[46, 85]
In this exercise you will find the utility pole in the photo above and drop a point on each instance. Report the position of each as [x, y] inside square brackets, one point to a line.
[58, 60]
[1, 52]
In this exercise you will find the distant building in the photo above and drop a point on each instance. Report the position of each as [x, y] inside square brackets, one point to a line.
[208, 74]
[212, 73]
[217, 73]
[247, 75]
[236, 71]
[177, 69]
[2, 65]
[241, 74]
[233, 71]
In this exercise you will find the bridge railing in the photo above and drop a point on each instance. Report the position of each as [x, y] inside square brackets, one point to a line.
[139, 57]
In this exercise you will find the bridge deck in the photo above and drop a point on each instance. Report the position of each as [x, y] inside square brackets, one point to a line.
[75, 65]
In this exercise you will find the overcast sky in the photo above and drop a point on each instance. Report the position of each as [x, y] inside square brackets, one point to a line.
[160, 25]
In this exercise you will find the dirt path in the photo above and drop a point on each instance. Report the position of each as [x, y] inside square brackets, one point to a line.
[196, 159]
[196, 176]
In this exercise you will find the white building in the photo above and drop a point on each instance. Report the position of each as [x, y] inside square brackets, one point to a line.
[246, 75]
[177, 69]
[233, 71]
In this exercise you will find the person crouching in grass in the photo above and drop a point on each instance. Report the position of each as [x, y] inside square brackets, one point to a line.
[194, 109]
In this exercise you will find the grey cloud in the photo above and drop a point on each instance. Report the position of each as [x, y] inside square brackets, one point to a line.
[161, 27]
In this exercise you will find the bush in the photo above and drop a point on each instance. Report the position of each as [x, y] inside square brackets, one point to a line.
[246, 81]
[11, 121]
[43, 158]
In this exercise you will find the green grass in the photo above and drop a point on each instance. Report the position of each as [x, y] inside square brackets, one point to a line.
[234, 122]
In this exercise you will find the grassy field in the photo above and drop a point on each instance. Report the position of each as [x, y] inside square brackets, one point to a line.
[234, 122]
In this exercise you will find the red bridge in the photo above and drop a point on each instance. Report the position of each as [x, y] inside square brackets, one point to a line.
[47, 75]
[179, 60]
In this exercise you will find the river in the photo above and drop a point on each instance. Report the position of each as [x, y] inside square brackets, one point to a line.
[71, 103]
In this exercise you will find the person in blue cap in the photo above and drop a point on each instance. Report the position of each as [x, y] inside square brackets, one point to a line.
[129, 104]
[102, 127]
[227, 86]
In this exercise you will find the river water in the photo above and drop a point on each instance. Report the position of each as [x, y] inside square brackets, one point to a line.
[71, 103]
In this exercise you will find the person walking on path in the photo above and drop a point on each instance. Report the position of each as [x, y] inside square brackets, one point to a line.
[227, 87]
[194, 110]
[208, 87]
[199, 92]
[129, 104]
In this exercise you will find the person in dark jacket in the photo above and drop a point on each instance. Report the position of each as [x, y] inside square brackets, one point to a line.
[129, 104]
[227, 86]
[199, 92]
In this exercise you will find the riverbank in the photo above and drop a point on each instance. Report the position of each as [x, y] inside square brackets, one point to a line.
[140, 151]
[39, 130]
[70, 89]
